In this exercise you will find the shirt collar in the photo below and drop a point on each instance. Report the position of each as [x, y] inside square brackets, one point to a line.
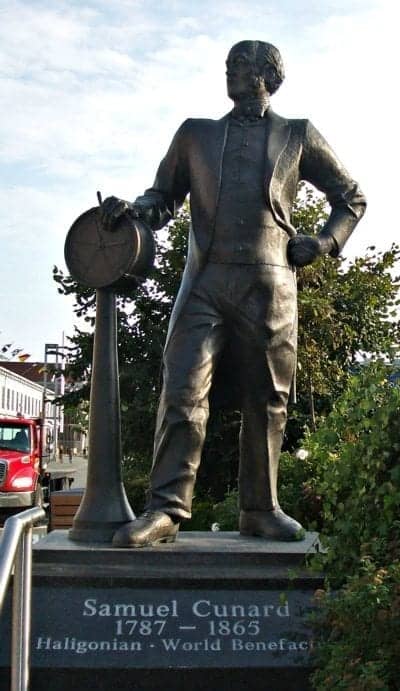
[250, 111]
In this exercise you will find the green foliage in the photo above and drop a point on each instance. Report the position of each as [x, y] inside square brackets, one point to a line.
[359, 630]
[345, 309]
[226, 511]
[77, 416]
[354, 459]
[297, 495]
[136, 488]
[205, 512]
[202, 515]
[136, 482]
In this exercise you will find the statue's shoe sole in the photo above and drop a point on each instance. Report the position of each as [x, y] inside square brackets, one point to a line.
[149, 543]
[152, 543]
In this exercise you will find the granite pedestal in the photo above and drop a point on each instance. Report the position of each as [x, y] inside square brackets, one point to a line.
[211, 611]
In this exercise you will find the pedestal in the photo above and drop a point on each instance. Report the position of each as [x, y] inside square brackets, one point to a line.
[212, 611]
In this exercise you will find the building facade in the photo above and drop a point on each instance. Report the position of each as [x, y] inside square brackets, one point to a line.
[21, 396]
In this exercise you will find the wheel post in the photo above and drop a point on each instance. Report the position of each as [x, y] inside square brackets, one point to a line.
[104, 507]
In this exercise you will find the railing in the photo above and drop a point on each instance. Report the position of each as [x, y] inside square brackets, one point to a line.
[16, 551]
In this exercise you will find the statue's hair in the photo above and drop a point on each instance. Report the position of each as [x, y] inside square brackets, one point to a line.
[266, 55]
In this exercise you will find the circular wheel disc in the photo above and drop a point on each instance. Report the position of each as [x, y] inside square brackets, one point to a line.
[95, 257]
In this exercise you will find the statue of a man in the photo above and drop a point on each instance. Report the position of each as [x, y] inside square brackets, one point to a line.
[238, 287]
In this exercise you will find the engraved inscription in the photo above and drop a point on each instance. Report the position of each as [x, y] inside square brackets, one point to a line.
[153, 628]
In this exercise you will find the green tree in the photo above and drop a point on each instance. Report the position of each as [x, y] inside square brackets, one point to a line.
[347, 310]
[355, 472]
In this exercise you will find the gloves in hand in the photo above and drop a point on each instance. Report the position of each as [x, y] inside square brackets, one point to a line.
[304, 249]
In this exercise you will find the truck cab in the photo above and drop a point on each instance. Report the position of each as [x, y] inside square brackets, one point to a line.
[25, 443]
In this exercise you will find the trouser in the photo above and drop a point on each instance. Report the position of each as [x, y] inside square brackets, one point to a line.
[253, 307]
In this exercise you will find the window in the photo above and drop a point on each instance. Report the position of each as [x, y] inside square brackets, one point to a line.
[15, 437]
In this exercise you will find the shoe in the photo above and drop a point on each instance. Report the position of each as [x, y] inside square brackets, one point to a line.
[272, 525]
[151, 528]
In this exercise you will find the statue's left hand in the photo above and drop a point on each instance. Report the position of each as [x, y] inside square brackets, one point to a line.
[304, 249]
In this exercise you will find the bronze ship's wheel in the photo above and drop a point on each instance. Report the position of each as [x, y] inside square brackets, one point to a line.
[99, 258]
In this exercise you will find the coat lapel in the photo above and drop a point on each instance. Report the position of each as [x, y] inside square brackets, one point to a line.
[217, 155]
[278, 137]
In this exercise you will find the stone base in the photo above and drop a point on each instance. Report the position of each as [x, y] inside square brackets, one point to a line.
[213, 610]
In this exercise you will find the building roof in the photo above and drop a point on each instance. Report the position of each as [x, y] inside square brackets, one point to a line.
[34, 371]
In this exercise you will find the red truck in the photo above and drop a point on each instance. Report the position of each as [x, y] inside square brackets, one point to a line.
[25, 478]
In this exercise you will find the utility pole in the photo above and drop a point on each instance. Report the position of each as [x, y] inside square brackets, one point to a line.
[58, 352]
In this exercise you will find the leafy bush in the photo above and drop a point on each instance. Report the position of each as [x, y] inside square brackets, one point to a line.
[202, 515]
[360, 632]
[297, 495]
[136, 482]
[356, 458]
[226, 512]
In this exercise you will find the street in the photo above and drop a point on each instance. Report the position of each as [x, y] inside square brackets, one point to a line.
[78, 463]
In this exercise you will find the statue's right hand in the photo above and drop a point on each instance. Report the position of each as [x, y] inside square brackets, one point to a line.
[112, 209]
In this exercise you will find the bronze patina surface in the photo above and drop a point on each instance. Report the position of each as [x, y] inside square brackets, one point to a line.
[238, 287]
[97, 259]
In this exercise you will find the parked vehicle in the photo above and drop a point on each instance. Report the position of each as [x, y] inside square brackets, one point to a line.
[26, 479]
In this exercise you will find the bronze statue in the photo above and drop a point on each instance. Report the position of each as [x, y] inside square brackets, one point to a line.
[238, 287]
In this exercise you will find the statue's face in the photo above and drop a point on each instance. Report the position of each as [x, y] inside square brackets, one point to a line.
[241, 70]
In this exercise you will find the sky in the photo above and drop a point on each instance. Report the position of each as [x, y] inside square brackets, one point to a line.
[93, 91]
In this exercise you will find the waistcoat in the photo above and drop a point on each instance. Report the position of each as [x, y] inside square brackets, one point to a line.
[245, 230]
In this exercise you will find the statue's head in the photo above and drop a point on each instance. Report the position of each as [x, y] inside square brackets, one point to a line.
[253, 68]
